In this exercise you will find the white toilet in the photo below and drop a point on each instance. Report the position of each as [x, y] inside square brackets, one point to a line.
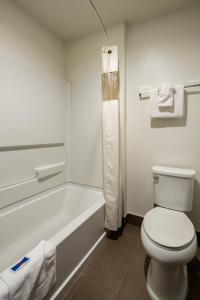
[168, 235]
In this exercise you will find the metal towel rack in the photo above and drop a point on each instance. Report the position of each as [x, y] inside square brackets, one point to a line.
[141, 93]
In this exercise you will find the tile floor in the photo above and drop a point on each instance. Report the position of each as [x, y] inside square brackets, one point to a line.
[115, 271]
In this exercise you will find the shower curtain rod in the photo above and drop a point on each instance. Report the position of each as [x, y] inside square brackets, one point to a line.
[101, 22]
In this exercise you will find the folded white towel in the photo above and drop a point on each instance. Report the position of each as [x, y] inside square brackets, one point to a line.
[176, 111]
[166, 95]
[4, 291]
[34, 279]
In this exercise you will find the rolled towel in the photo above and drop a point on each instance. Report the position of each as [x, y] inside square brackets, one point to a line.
[33, 276]
[176, 111]
[4, 291]
[166, 95]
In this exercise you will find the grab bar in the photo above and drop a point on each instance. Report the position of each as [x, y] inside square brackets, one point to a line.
[40, 172]
[48, 170]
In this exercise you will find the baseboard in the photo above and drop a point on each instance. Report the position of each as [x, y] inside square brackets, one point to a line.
[198, 238]
[134, 220]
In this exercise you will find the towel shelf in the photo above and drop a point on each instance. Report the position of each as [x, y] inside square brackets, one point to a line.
[145, 93]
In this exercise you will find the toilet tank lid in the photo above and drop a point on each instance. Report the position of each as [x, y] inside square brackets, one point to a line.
[170, 171]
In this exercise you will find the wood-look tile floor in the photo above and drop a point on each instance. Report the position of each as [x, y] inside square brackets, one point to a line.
[116, 271]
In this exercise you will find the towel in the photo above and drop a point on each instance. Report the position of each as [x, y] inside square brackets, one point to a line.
[166, 95]
[4, 291]
[176, 111]
[34, 279]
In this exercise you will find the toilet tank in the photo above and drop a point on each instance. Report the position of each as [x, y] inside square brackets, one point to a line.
[173, 187]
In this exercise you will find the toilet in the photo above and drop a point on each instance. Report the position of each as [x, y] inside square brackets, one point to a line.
[168, 235]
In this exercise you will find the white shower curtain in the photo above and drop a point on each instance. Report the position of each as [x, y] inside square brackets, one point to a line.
[111, 139]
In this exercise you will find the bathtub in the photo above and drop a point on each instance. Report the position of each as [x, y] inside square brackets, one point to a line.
[70, 216]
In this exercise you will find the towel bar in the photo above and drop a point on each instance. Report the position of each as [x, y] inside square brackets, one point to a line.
[185, 87]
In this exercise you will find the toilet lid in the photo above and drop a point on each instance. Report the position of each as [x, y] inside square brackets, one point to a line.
[168, 227]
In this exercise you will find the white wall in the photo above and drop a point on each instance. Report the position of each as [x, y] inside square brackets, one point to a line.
[166, 49]
[83, 70]
[26, 43]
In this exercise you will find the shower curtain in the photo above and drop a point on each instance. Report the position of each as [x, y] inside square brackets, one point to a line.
[112, 174]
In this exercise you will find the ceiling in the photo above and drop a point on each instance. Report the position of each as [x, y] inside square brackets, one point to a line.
[70, 19]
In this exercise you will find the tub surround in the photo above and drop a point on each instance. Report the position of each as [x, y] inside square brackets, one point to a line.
[32, 59]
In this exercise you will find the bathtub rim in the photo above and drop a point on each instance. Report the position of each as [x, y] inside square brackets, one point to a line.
[63, 233]
[37, 197]
[67, 229]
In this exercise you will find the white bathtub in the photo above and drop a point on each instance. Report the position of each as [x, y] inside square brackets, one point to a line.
[70, 216]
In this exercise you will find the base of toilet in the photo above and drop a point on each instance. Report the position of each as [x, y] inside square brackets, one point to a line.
[166, 282]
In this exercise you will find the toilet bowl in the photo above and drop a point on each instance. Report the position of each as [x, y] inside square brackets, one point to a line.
[168, 235]
[170, 240]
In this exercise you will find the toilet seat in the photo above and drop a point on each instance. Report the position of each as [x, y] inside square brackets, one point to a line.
[168, 228]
